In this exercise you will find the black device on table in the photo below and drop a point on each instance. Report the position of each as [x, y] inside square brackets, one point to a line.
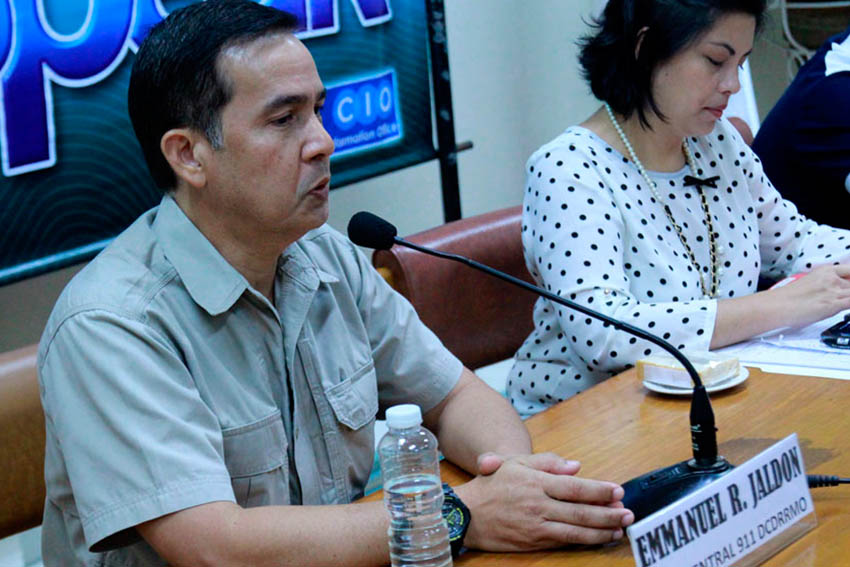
[838, 336]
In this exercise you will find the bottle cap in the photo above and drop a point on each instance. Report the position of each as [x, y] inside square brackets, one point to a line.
[404, 416]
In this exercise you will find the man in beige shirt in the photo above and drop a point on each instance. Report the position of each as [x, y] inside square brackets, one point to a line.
[211, 380]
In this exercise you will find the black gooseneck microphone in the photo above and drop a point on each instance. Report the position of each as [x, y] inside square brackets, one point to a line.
[644, 494]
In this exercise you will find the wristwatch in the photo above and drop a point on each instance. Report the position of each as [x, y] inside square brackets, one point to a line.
[457, 517]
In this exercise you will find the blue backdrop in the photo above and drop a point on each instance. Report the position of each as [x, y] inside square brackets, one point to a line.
[73, 175]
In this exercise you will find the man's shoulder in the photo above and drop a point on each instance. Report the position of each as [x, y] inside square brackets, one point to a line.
[334, 255]
[120, 279]
[327, 247]
[822, 81]
[325, 236]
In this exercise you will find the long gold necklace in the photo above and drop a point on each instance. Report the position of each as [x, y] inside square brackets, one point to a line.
[712, 244]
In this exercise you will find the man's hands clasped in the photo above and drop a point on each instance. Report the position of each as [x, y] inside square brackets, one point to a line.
[527, 502]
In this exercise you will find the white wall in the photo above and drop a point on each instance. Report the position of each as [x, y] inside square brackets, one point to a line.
[768, 64]
[515, 84]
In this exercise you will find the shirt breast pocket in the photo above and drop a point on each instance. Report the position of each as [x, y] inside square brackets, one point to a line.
[355, 399]
[355, 404]
[256, 458]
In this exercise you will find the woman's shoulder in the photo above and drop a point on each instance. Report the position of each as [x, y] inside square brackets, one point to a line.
[725, 136]
[726, 148]
[573, 144]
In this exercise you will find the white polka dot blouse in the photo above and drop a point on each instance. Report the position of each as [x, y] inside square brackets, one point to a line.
[593, 232]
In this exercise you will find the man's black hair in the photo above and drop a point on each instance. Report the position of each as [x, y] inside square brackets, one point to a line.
[608, 56]
[176, 82]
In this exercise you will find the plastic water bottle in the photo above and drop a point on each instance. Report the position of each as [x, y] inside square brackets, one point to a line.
[413, 493]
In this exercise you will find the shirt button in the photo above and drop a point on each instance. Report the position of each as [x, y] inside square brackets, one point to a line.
[721, 250]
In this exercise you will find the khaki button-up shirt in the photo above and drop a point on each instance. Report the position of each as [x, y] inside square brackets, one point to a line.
[168, 382]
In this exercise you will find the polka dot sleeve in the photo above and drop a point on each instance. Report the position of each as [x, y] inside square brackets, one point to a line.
[789, 242]
[583, 244]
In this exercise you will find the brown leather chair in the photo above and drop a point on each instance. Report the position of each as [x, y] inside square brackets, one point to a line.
[479, 318]
[21, 443]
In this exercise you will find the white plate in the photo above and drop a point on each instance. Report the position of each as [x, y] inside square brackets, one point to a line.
[716, 387]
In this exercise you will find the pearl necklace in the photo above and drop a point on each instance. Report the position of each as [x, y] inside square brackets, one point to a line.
[712, 244]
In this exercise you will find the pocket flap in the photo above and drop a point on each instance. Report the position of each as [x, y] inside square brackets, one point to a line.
[255, 448]
[355, 399]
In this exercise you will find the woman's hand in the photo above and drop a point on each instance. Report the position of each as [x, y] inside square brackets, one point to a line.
[821, 293]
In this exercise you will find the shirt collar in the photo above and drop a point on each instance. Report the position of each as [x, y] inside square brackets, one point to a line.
[296, 264]
[211, 281]
[838, 57]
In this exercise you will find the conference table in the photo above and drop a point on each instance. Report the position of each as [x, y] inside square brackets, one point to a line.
[618, 430]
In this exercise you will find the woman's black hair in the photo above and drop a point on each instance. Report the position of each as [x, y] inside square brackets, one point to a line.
[608, 59]
[175, 81]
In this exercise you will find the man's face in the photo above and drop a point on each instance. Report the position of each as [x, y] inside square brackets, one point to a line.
[271, 174]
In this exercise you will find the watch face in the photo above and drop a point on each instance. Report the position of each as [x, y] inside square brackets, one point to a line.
[456, 517]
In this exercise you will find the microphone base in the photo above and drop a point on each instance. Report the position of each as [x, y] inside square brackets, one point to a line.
[655, 490]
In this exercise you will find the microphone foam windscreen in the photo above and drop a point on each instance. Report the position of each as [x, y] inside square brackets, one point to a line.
[371, 231]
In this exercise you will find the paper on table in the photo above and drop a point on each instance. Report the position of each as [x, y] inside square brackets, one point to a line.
[793, 347]
[806, 338]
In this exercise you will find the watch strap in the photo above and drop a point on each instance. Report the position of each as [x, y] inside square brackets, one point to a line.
[457, 515]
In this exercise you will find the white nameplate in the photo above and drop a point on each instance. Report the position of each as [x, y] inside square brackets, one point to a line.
[731, 518]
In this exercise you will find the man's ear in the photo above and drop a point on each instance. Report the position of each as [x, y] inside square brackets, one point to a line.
[640, 35]
[183, 149]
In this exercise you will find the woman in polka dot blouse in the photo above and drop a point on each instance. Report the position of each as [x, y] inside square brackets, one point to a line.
[655, 211]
